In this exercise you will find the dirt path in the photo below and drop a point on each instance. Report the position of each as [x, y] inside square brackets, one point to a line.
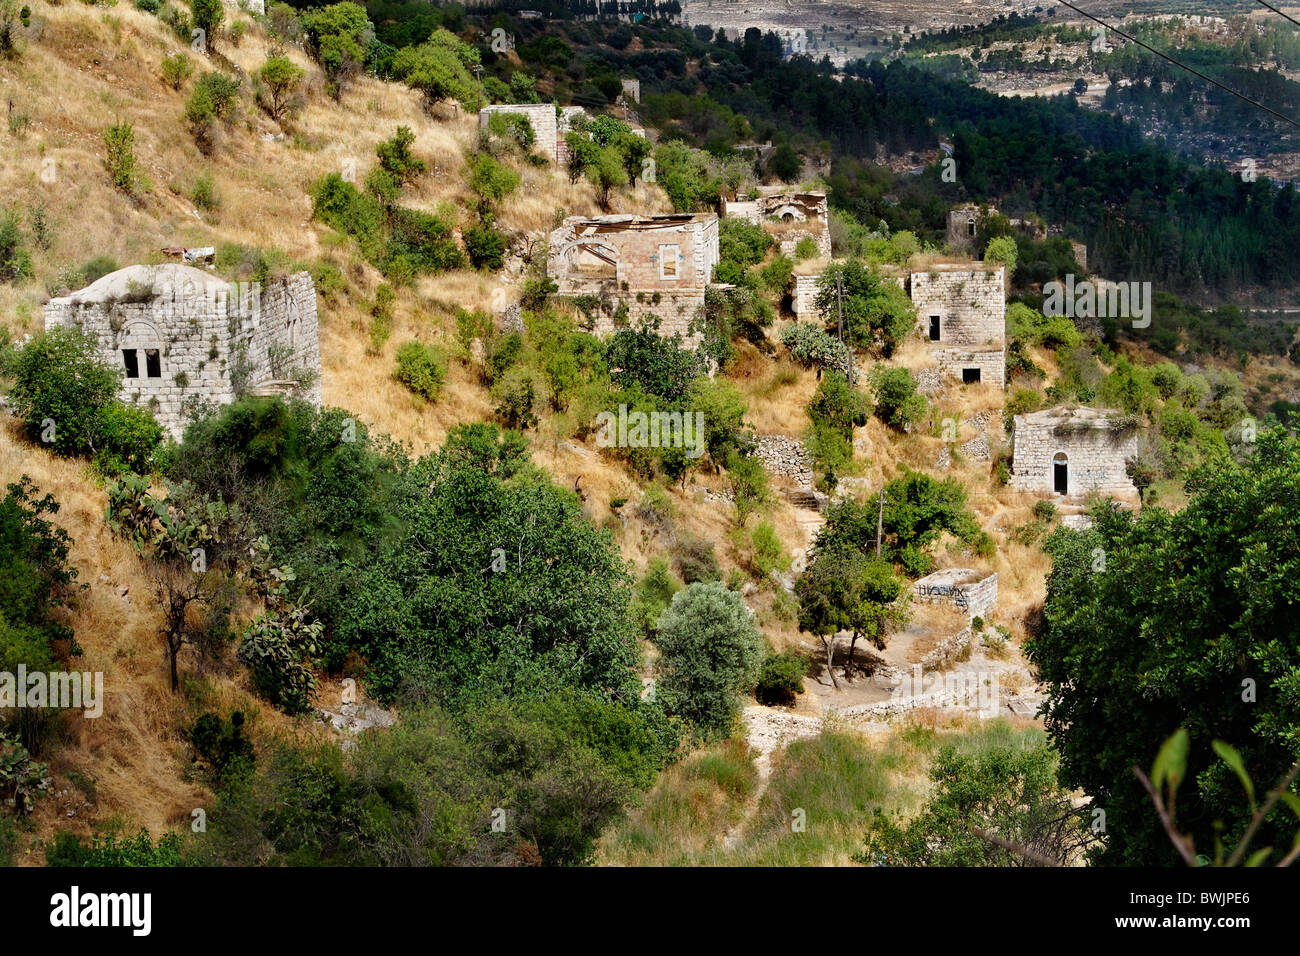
[767, 730]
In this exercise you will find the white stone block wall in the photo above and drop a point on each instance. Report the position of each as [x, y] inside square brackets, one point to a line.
[208, 335]
[1095, 456]
[541, 116]
[962, 588]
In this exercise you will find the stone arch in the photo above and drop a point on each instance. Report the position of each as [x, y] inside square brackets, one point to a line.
[1061, 473]
[590, 256]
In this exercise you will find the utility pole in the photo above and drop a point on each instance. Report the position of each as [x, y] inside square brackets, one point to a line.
[839, 304]
[880, 520]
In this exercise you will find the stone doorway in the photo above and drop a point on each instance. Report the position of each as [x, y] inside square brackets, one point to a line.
[1061, 473]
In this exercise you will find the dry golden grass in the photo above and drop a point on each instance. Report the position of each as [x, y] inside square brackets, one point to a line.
[134, 751]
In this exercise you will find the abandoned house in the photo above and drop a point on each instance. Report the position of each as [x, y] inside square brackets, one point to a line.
[787, 217]
[541, 116]
[633, 266]
[183, 337]
[961, 315]
[974, 593]
[1073, 451]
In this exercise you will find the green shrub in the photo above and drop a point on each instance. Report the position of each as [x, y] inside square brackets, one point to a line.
[111, 851]
[710, 653]
[222, 745]
[395, 156]
[694, 559]
[805, 248]
[176, 69]
[204, 194]
[15, 260]
[97, 268]
[119, 157]
[781, 679]
[421, 368]
[61, 389]
[275, 648]
[898, 404]
[654, 592]
[485, 245]
[129, 438]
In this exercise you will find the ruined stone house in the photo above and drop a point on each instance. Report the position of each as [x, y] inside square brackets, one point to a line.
[972, 592]
[541, 116]
[1074, 451]
[184, 338]
[961, 315]
[786, 216]
[634, 266]
[550, 125]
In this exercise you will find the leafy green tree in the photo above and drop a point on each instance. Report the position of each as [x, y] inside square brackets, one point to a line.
[1006, 791]
[709, 655]
[845, 589]
[61, 388]
[281, 76]
[176, 69]
[337, 37]
[898, 404]
[490, 181]
[119, 156]
[785, 164]
[440, 69]
[208, 17]
[1178, 620]
[749, 486]
[35, 580]
[877, 314]
[1002, 249]
[651, 361]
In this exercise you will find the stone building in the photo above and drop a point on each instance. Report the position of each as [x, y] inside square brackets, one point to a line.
[961, 314]
[657, 265]
[787, 217]
[184, 337]
[1073, 451]
[972, 592]
[631, 89]
[963, 222]
[803, 295]
[541, 116]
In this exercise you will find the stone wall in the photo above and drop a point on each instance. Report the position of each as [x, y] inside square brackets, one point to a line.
[804, 297]
[962, 588]
[542, 118]
[627, 254]
[1095, 444]
[788, 217]
[675, 311]
[970, 306]
[785, 457]
[183, 337]
[953, 363]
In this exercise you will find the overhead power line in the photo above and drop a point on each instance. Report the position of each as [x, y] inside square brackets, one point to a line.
[1183, 66]
[1284, 16]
